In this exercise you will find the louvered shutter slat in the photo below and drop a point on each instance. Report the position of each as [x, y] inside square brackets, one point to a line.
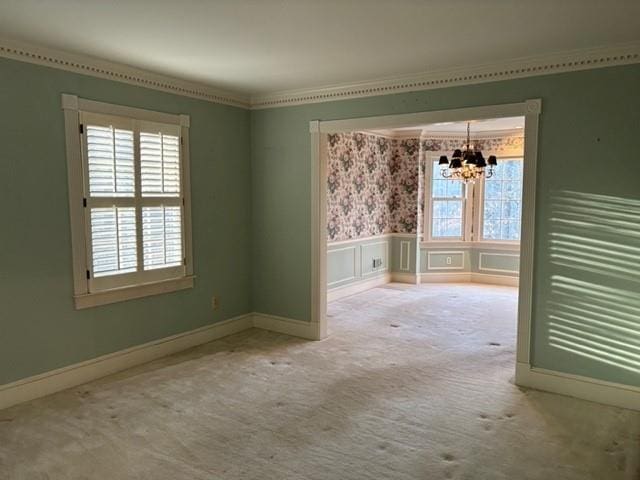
[110, 157]
[159, 164]
[113, 240]
[162, 237]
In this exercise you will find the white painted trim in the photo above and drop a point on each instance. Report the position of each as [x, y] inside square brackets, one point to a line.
[531, 110]
[114, 295]
[473, 74]
[82, 372]
[403, 235]
[409, 119]
[468, 277]
[343, 249]
[560, 62]
[288, 326]
[385, 265]
[117, 288]
[484, 245]
[510, 281]
[70, 376]
[318, 216]
[357, 287]
[452, 277]
[358, 240]
[405, 248]
[87, 65]
[405, 278]
[608, 393]
[445, 252]
[480, 267]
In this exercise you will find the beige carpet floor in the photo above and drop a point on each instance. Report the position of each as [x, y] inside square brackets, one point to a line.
[415, 382]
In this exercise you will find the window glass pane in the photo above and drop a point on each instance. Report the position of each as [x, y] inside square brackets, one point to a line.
[447, 203]
[159, 164]
[454, 188]
[502, 207]
[440, 188]
[161, 237]
[113, 240]
[110, 162]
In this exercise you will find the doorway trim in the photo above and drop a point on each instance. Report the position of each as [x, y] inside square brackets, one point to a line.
[319, 130]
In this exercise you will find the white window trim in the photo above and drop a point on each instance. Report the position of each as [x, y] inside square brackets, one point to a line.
[467, 196]
[471, 224]
[72, 106]
[478, 206]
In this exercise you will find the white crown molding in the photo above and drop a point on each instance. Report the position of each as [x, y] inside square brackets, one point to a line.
[87, 65]
[516, 68]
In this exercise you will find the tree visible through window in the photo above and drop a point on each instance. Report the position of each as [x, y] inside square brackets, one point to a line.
[502, 202]
[447, 206]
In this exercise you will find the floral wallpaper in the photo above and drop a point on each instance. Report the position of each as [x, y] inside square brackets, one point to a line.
[372, 186]
[376, 184]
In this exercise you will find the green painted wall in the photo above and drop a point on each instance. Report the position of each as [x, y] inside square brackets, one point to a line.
[39, 328]
[588, 133]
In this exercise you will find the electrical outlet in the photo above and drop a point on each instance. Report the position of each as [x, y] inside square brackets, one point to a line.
[448, 260]
[215, 303]
[377, 262]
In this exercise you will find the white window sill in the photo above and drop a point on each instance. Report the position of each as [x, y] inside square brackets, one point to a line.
[129, 293]
[488, 245]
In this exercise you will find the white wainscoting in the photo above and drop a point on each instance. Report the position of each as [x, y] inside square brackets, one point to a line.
[350, 269]
[483, 268]
[459, 254]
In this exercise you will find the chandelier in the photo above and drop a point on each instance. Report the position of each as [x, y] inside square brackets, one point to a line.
[467, 165]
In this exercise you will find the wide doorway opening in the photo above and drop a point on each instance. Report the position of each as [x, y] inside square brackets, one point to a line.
[425, 225]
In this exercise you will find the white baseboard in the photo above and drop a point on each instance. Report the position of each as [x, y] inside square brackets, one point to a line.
[357, 287]
[608, 393]
[295, 328]
[83, 372]
[464, 277]
[405, 278]
[73, 375]
[451, 277]
[495, 279]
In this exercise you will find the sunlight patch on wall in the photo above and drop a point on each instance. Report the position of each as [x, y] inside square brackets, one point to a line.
[594, 308]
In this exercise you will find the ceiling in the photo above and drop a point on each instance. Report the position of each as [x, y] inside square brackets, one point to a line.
[265, 46]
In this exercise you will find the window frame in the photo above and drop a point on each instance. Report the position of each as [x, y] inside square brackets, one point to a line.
[429, 201]
[478, 221]
[170, 279]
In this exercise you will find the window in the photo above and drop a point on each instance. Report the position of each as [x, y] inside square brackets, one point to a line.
[494, 214]
[502, 202]
[447, 206]
[129, 198]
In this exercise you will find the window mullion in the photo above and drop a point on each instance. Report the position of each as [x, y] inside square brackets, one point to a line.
[137, 168]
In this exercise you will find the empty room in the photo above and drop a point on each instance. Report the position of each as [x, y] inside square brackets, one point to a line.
[356, 239]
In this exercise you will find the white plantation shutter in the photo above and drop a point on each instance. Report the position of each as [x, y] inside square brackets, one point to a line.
[133, 201]
[113, 240]
[159, 164]
[161, 236]
[110, 161]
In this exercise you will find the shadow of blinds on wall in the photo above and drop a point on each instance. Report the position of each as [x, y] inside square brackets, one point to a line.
[594, 307]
